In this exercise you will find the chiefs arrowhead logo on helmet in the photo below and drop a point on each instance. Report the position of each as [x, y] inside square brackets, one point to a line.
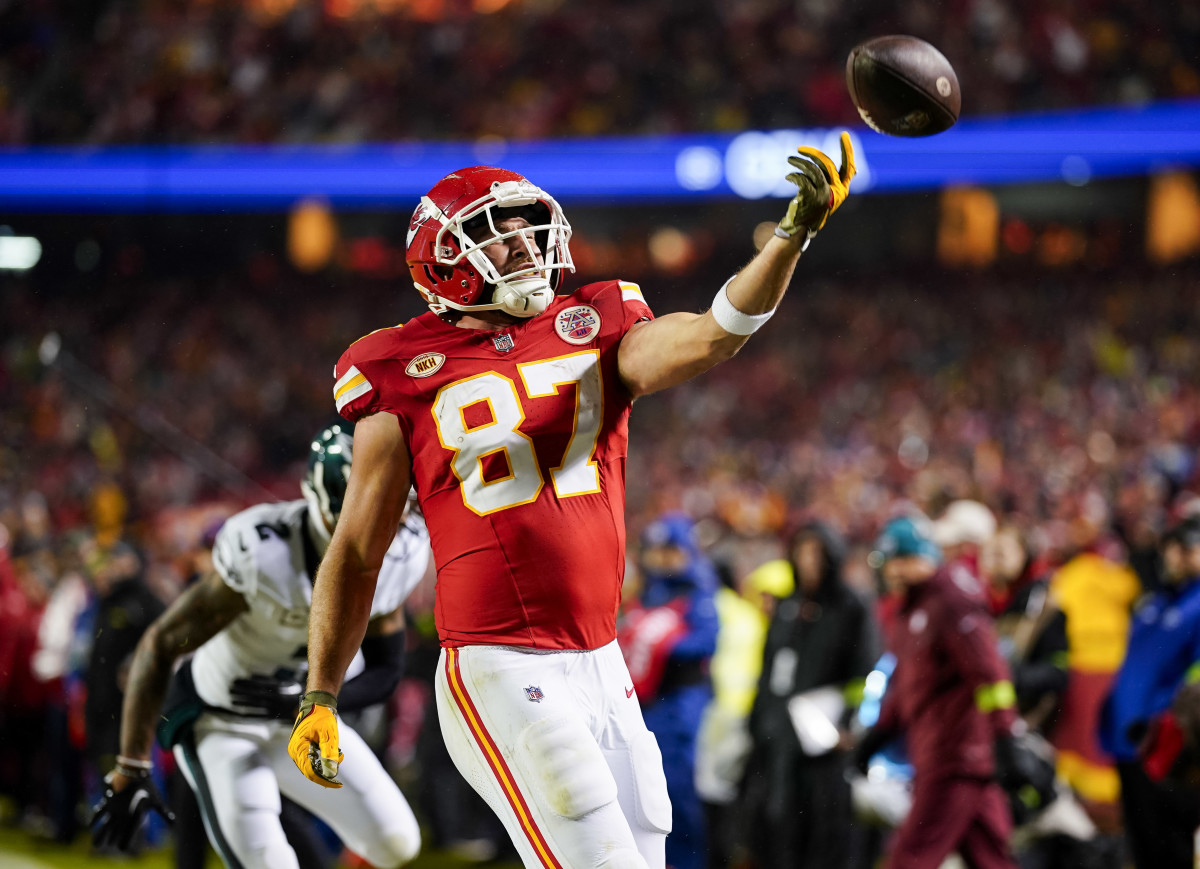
[450, 269]
[419, 217]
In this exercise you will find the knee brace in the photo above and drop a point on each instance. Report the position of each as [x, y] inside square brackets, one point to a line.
[622, 858]
[653, 803]
[560, 759]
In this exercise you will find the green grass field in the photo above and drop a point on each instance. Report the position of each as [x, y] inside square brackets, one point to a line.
[19, 850]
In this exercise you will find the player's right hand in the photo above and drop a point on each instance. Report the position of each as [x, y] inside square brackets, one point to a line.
[314, 743]
[822, 188]
[122, 808]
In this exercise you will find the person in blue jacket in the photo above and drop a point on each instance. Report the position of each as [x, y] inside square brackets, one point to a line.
[668, 638]
[1137, 725]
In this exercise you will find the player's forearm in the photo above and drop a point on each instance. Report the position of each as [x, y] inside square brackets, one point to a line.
[341, 609]
[759, 287]
[145, 689]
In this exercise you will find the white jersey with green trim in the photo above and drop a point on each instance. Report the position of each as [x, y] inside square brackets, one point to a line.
[266, 553]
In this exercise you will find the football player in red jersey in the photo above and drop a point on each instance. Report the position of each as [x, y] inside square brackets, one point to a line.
[506, 406]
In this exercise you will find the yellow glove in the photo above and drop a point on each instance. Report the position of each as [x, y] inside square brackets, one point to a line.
[823, 187]
[314, 743]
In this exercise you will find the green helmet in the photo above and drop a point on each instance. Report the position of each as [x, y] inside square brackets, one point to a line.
[329, 459]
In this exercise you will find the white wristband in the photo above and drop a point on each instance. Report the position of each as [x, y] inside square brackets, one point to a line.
[731, 319]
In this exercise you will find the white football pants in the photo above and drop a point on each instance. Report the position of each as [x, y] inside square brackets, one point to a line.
[238, 767]
[556, 745]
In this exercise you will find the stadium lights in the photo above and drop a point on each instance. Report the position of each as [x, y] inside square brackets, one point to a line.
[19, 253]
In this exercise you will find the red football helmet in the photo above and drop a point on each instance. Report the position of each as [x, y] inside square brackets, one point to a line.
[450, 269]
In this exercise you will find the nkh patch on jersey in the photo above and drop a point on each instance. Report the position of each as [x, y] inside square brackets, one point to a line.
[425, 365]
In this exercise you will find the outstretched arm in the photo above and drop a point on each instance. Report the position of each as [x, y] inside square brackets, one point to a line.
[200, 612]
[375, 498]
[679, 346]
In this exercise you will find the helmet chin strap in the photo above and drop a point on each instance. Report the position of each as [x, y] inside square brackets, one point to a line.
[524, 296]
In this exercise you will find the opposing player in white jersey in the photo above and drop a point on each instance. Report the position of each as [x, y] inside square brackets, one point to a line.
[229, 709]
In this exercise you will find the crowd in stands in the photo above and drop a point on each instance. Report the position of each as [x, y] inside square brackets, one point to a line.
[1066, 401]
[134, 71]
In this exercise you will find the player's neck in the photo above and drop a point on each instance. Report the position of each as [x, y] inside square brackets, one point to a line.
[492, 321]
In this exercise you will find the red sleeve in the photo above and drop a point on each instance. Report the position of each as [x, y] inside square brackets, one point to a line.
[633, 304]
[970, 640]
[621, 303]
[362, 375]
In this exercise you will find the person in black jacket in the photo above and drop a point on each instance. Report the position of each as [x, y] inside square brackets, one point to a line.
[1031, 628]
[126, 607]
[821, 644]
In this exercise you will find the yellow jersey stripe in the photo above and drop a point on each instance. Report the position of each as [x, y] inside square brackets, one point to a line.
[631, 292]
[350, 374]
[349, 395]
[345, 387]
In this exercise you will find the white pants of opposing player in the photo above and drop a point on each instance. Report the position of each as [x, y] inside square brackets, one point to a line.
[556, 745]
[238, 768]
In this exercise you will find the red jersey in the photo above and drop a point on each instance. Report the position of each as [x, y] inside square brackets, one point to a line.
[518, 440]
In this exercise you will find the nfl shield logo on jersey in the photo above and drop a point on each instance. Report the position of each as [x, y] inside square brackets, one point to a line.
[534, 693]
[578, 324]
[503, 343]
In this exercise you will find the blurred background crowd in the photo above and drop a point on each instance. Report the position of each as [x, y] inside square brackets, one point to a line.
[386, 70]
[1066, 401]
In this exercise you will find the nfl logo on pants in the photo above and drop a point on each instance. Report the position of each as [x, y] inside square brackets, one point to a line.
[534, 693]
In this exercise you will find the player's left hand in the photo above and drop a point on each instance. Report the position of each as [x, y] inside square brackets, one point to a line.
[823, 187]
[314, 743]
[264, 695]
[122, 808]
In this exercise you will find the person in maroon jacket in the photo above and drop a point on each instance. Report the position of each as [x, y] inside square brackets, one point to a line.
[952, 697]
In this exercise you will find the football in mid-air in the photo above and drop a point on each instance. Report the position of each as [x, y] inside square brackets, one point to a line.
[903, 86]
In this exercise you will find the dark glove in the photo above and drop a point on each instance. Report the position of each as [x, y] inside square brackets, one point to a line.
[1025, 769]
[267, 696]
[119, 814]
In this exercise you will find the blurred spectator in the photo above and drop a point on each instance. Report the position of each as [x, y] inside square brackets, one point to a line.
[1096, 593]
[60, 663]
[1032, 631]
[23, 583]
[1031, 627]
[667, 639]
[125, 608]
[951, 694]
[724, 743]
[1137, 725]
[962, 531]
[821, 644]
